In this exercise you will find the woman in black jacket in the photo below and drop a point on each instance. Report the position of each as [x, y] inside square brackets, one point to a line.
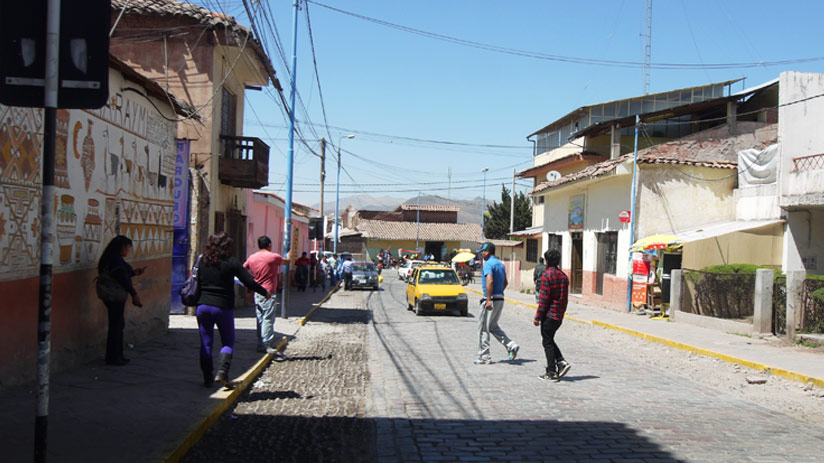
[218, 269]
[112, 262]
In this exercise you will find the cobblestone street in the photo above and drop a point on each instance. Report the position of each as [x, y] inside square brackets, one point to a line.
[312, 407]
[386, 385]
[442, 407]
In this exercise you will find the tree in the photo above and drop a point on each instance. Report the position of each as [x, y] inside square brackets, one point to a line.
[497, 219]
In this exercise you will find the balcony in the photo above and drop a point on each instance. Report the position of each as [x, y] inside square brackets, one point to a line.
[804, 183]
[243, 162]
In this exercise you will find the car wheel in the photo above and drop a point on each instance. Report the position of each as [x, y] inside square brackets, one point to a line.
[376, 288]
[418, 308]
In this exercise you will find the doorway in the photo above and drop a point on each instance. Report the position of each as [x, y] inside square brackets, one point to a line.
[435, 248]
[576, 283]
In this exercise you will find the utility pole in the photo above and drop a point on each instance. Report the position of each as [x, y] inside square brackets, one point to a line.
[632, 213]
[512, 206]
[483, 205]
[418, 233]
[290, 165]
[322, 180]
[449, 178]
[337, 196]
[648, 47]
[41, 419]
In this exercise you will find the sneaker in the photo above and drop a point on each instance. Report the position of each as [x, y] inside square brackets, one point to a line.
[280, 357]
[482, 361]
[550, 376]
[563, 368]
[514, 352]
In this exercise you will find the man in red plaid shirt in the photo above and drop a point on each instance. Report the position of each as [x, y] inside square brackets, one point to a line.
[551, 308]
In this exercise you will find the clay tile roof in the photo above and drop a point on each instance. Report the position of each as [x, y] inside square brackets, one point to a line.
[431, 207]
[211, 19]
[383, 230]
[709, 148]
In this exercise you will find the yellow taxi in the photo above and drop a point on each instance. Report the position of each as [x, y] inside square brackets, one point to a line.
[435, 288]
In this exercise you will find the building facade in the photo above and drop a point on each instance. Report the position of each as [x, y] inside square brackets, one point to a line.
[114, 172]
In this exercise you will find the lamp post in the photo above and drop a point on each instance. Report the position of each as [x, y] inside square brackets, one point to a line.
[483, 206]
[337, 195]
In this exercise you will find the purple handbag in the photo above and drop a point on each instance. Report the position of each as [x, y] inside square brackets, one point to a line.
[190, 291]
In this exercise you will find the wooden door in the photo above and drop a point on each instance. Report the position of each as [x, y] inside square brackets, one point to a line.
[577, 270]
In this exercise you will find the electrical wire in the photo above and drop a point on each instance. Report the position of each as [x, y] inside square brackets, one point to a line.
[566, 59]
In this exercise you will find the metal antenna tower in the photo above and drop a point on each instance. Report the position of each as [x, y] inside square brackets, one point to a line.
[648, 47]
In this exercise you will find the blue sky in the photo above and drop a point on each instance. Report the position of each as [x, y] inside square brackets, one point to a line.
[381, 80]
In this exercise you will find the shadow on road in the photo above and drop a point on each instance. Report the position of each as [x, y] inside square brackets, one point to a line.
[346, 439]
[339, 315]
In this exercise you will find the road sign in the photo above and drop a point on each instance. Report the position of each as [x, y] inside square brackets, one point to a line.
[624, 217]
[83, 73]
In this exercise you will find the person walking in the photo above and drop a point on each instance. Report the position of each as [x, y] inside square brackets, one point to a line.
[346, 270]
[264, 266]
[302, 272]
[216, 304]
[551, 309]
[325, 272]
[494, 282]
[536, 277]
[113, 264]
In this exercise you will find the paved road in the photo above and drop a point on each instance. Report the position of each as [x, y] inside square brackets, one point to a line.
[431, 403]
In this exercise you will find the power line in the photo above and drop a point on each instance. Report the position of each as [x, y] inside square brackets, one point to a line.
[317, 75]
[562, 58]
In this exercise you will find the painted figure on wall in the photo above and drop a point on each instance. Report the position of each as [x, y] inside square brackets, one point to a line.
[61, 168]
[87, 160]
[92, 229]
[66, 223]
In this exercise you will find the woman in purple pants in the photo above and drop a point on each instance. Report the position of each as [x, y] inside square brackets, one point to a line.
[216, 305]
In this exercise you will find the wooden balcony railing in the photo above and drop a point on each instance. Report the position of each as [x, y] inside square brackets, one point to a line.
[243, 162]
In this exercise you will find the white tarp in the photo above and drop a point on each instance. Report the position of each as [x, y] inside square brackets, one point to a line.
[757, 167]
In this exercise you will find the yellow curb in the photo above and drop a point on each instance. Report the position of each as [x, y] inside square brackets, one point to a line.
[322, 301]
[211, 414]
[696, 350]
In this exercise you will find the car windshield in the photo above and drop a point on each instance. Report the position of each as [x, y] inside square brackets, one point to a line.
[438, 277]
[363, 268]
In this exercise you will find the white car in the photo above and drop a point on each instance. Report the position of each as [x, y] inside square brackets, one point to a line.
[405, 269]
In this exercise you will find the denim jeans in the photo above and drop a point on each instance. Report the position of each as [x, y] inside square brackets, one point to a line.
[266, 311]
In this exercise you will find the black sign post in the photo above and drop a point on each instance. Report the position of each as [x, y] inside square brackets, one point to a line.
[40, 67]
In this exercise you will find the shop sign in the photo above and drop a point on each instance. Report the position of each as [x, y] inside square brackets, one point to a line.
[576, 212]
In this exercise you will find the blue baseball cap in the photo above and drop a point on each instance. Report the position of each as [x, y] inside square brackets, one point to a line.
[488, 246]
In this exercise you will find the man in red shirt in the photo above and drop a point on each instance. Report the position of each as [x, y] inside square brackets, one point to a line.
[264, 266]
[551, 308]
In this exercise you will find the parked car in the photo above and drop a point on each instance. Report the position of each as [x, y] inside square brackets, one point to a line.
[436, 288]
[364, 275]
[405, 269]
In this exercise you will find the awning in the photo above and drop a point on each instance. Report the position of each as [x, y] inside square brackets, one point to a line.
[529, 232]
[723, 228]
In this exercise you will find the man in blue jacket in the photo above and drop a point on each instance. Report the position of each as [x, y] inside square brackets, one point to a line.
[493, 281]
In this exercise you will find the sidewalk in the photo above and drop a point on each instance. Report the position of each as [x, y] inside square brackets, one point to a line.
[145, 410]
[756, 353]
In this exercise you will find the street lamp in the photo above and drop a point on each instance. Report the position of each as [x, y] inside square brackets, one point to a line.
[337, 195]
[483, 206]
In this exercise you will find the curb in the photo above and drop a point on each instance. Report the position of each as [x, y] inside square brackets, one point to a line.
[227, 397]
[686, 347]
[322, 301]
[210, 414]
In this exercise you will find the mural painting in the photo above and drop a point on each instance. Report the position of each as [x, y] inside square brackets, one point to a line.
[113, 171]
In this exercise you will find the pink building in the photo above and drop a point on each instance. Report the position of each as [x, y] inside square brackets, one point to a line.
[265, 217]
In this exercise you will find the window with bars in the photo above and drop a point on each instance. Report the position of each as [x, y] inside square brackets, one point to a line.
[608, 250]
[531, 250]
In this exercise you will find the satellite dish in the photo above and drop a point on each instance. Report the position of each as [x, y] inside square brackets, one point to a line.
[552, 175]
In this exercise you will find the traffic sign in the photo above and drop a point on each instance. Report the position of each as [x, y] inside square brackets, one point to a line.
[624, 217]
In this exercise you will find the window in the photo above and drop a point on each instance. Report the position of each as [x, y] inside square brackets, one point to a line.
[228, 113]
[553, 242]
[608, 248]
[531, 250]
